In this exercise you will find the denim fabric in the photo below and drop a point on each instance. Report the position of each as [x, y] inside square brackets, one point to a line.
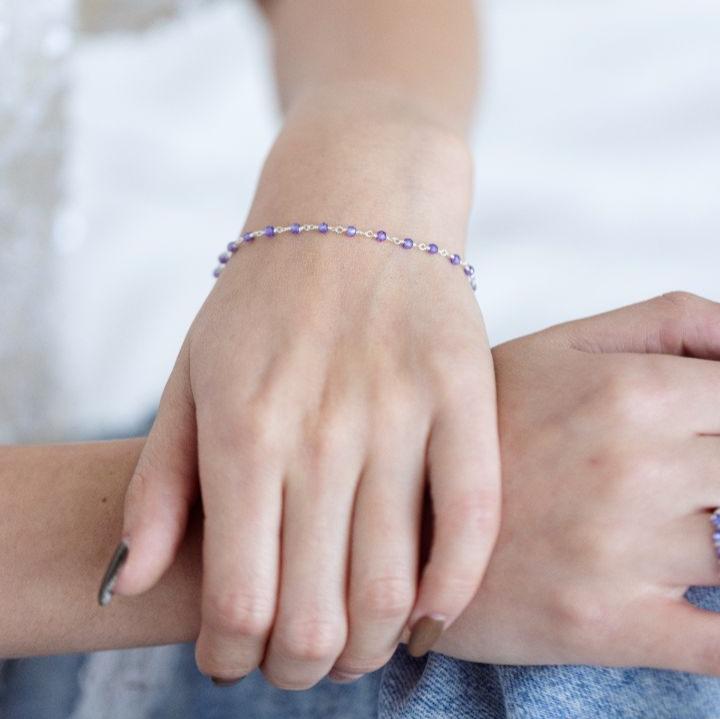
[52, 688]
[437, 687]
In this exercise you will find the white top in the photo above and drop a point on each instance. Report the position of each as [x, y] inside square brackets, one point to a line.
[598, 163]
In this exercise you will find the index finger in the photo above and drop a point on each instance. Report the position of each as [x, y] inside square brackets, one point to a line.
[464, 475]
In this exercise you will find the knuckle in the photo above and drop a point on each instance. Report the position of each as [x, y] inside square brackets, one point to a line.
[239, 613]
[311, 640]
[393, 408]
[249, 425]
[580, 615]
[631, 398]
[679, 300]
[463, 381]
[212, 661]
[677, 309]
[327, 440]
[256, 428]
[385, 597]
[474, 512]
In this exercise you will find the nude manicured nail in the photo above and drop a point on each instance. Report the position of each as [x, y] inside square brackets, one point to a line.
[343, 677]
[425, 633]
[218, 682]
[111, 574]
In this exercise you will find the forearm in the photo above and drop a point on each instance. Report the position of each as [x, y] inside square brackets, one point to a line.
[377, 97]
[419, 54]
[60, 516]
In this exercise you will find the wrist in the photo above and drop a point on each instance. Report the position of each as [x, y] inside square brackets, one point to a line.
[340, 161]
[371, 101]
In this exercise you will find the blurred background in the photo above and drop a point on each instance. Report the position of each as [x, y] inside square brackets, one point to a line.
[132, 134]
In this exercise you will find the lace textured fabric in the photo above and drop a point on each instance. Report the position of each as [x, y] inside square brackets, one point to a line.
[36, 43]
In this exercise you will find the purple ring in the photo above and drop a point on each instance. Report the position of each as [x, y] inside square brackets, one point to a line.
[715, 521]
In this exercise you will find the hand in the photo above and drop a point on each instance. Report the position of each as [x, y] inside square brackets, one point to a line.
[611, 460]
[321, 381]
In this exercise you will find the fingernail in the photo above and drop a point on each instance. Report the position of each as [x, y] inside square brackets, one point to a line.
[343, 677]
[111, 574]
[424, 634]
[219, 682]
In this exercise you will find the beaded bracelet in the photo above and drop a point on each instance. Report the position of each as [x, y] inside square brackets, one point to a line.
[323, 228]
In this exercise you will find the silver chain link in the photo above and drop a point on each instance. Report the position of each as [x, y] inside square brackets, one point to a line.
[339, 230]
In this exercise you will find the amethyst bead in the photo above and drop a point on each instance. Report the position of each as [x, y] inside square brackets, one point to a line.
[323, 227]
[407, 243]
[381, 236]
[269, 231]
[223, 258]
[351, 231]
[295, 228]
[217, 271]
[455, 259]
[232, 246]
[247, 237]
[432, 248]
[469, 270]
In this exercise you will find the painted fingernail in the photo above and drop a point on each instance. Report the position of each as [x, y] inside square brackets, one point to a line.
[424, 634]
[219, 682]
[111, 573]
[343, 677]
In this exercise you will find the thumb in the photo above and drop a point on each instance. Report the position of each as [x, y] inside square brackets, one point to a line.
[159, 496]
[677, 323]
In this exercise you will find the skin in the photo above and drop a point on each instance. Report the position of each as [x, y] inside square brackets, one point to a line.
[326, 381]
[610, 460]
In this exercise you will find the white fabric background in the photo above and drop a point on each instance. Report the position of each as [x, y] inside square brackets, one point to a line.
[598, 170]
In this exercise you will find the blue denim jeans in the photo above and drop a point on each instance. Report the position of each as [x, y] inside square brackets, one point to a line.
[434, 687]
[442, 687]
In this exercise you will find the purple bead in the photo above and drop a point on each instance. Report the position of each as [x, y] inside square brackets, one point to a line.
[295, 228]
[469, 270]
[269, 231]
[407, 243]
[381, 236]
[323, 227]
[217, 271]
[455, 259]
[247, 237]
[222, 259]
[473, 283]
[432, 248]
[351, 231]
[715, 519]
[232, 246]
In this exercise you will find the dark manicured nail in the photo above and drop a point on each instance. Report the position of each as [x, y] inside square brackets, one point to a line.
[111, 574]
[424, 634]
[218, 682]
